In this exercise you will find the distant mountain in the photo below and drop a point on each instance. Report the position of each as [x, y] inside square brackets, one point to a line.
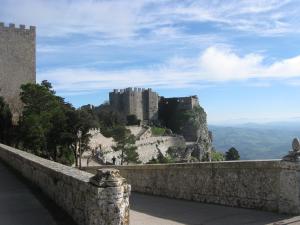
[256, 141]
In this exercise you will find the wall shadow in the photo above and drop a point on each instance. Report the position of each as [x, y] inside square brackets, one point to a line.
[195, 213]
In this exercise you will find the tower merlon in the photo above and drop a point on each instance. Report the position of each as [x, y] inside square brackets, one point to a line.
[12, 26]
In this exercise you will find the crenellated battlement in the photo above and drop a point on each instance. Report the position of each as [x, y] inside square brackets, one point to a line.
[130, 90]
[135, 101]
[13, 27]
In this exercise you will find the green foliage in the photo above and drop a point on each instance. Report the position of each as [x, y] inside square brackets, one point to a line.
[130, 154]
[66, 157]
[125, 143]
[158, 131]
[49, 126]
[108, 119]
[232, 154]
[213, 156]
[133, 120]
[6, 126]
[217, 156]
[177, 120]
[161, 159]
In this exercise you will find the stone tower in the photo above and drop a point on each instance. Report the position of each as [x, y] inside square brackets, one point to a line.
[136, 101]
[17, 63]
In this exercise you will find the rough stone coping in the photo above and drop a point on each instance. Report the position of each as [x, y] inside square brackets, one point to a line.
[47, 164]
[259, 164]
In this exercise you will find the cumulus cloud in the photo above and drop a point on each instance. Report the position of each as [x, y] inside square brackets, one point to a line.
[213, 65]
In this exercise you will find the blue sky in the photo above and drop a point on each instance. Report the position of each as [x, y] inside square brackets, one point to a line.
[241, 57]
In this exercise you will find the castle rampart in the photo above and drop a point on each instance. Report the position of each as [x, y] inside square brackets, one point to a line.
[135, 101]
[182, 103]
[17, 62]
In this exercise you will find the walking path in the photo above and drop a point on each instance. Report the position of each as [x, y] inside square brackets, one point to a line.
[151, 210]
[22, 204]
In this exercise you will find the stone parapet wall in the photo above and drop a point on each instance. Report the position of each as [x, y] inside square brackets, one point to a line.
[90, 200]
[268, 185]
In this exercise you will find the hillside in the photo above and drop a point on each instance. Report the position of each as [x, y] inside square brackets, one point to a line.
[255, 141]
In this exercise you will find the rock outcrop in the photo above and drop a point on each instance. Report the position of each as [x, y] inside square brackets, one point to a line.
[195, 130]
[190, 122]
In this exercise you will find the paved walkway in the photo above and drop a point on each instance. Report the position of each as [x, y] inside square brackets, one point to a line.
[150, 210]
[21, 204]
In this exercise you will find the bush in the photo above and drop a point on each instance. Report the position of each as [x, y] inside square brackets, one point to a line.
[232, 154]
[158, 131]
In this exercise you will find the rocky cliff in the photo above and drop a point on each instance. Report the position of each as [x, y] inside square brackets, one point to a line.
[192, 124]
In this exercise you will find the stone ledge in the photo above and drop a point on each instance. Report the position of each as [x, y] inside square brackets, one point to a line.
[71, 189]
[271, 185]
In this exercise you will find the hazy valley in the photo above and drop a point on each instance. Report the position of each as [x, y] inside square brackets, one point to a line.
[256, 141]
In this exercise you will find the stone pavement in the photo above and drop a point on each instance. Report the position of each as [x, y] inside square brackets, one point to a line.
[22, 204]
[152, 210]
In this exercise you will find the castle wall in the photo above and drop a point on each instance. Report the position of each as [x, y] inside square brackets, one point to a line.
[17, 63]
[272, 185]
[152, 105]
[140, 102]
[182, 103]
[136, 104]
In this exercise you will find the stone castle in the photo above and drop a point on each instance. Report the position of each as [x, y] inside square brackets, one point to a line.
[145, 104]
[17, 63]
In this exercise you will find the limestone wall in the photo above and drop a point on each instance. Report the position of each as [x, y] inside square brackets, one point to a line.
[90, 200]
[267, 185]
[17, 63]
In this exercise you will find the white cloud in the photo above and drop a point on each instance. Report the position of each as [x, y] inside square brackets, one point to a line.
[263, 17]
[113, 18]
[214, 65]
[126, 19]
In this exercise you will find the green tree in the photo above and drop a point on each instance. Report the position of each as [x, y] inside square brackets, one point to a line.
[6, 126]
[49, 126]
[131, 155]
[125, 143]
[108, 118]
[41, 112]
[85, 122]
[217, 156]
[161, 159]
[232, 154]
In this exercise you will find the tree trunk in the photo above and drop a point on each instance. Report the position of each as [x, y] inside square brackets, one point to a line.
[79, 155]
[75, 156]
[122, 157]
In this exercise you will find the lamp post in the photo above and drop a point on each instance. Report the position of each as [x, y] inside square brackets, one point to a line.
[79, 135]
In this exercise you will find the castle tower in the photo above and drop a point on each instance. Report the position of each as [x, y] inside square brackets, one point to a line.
[17, 63]
[139, 102]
